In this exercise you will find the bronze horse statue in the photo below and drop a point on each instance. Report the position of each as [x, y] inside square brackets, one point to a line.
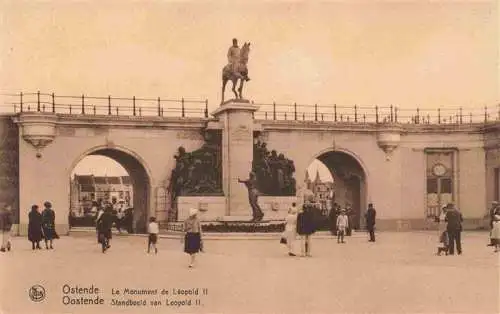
[240, 74]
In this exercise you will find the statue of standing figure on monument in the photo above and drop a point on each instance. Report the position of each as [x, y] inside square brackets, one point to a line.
[253, 196]
[236, 69]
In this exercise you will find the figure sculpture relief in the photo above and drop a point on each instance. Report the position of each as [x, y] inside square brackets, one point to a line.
[198, 172]
[274, 172]
[253, 196]
[236, 69]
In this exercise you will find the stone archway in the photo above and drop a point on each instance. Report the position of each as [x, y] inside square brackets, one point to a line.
[140, 180]
[350, 180]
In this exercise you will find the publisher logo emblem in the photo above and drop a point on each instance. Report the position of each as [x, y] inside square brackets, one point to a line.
[37, 293]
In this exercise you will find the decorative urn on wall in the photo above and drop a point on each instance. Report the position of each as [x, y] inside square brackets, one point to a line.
[38, 129]
[388, 141]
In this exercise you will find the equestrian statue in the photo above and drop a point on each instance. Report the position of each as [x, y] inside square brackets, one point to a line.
[236, 69]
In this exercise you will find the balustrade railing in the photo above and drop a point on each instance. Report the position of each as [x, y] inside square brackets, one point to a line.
[109, 105]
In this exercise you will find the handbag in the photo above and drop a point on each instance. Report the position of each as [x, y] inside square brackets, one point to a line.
[283, 240]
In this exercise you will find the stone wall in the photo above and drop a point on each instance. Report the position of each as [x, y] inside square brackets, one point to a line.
[9, 165]
[492, 148]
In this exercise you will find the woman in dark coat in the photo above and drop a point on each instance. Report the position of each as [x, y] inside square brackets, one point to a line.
[48, 225]
[35, 227]
[104, 224]
[306, 226]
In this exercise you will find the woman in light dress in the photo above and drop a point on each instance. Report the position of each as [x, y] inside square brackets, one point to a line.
[442, 233]
[291, 228]
[495, 231]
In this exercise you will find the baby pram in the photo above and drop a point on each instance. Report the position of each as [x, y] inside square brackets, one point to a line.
[444, 243]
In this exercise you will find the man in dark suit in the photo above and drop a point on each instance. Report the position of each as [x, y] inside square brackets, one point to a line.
[370, 215]
[454, 227]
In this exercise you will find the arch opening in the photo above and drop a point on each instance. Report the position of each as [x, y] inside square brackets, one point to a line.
[126, 186]
[338, 181]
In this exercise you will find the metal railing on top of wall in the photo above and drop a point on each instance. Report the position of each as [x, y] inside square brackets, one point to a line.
[118, 106]
[162, 107]
[378, 114]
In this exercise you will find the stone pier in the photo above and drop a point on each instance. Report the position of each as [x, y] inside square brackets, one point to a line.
[237, 153]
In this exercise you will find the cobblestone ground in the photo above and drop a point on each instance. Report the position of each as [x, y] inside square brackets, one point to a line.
[400, 273]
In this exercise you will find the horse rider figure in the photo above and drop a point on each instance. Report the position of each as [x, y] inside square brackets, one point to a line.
[233, 57]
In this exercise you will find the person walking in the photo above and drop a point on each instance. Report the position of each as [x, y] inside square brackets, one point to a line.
[104, 224]
[192, 236]
[305, 225]
[48, 225]
[153, 231]
[342, 225]
[5, 227]
[370, 216]
[291, 228]
[35, 227]
[454, 228]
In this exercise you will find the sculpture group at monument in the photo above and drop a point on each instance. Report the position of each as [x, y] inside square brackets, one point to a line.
[199, 173]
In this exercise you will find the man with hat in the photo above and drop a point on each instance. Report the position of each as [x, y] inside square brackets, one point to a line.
[494, 207]
[454, 228]
[370, 216]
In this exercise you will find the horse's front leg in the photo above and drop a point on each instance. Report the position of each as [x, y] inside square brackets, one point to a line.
[224, 82]
[234, 88]
[240, 89]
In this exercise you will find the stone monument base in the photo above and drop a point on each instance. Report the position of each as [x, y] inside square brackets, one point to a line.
[209, 207]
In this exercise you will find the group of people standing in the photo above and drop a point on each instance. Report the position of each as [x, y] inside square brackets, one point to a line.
[122, 217]
[302, 223]
[41, 225]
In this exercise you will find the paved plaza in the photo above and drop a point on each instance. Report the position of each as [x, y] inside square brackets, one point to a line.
[400, 273]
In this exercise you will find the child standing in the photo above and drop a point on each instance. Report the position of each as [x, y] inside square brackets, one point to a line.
[153, 231]
[342, 225]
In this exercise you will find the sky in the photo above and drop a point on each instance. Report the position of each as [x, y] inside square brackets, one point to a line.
[407, 53]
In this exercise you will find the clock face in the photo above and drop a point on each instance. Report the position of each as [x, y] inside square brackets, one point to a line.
[439, 169]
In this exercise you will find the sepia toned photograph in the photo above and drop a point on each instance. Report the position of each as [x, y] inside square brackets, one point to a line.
[258, 156]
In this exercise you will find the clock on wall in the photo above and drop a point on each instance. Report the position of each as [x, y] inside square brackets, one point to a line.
[439, 170]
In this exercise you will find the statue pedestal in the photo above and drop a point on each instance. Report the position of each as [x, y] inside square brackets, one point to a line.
[236, 116]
